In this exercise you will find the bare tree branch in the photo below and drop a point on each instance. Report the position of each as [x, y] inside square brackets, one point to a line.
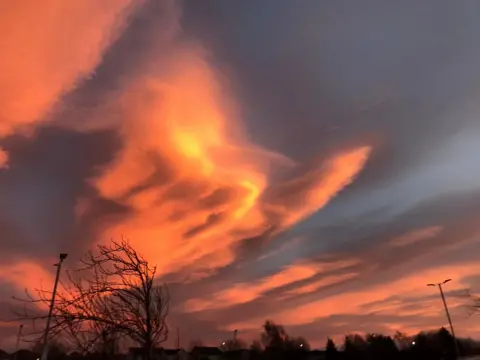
[112, 295]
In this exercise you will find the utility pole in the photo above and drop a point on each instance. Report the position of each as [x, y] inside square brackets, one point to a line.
[178, 338]
[50, 311]
[457, 351]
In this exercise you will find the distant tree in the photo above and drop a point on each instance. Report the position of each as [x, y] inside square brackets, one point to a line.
[472, 301]
[433, 345]
[422, 348]
[402, 340]
[381, 347]
[107, 342]
[274, 336]
[354, 347]
[331, 352]
[446, 342]
[113, 294]
[98, 338]
[56, 349]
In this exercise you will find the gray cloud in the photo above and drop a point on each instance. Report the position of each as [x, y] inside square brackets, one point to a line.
[39, 191]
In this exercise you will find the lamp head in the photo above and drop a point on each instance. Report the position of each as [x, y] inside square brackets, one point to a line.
[63, 256]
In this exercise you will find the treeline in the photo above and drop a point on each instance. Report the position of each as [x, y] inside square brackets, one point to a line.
[276, 344]
[433, 345]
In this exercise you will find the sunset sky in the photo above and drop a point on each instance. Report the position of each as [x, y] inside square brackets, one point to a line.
[311, 162]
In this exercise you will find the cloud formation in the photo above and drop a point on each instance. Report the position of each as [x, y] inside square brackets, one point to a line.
[291, 168]
[49, 50]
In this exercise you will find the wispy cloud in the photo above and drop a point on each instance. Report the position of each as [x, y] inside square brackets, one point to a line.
[416, 236]
[49, 51]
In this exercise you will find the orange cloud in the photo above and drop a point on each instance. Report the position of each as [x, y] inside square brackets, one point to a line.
[245, 292]
[241, 293]
[416, 236]
[20, 276]
[193, 180]
[322, 283]
[47, 49]
[196, 186]
[385, 298]
[315, 189]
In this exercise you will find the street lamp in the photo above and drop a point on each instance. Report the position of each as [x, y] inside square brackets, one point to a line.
[448, 313]
[62, 257]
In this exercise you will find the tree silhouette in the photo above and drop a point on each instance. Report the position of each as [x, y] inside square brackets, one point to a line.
[446, 342]
[402, 340]
[331, 352]
[381, 347]
[56, 349]
[274, 336]
[113, 291]
[354, 347]
[433, 345]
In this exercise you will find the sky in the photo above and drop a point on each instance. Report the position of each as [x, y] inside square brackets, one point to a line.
[310, 162]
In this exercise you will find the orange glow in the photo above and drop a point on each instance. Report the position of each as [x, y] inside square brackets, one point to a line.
[49, 50]
[244, 292]
[181, 126]
[27, 275]
[194, 182]
[378, 299]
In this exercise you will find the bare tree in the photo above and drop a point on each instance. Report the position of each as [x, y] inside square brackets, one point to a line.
[112, 295]
[92, 337]
[471, 301]
[474, 306]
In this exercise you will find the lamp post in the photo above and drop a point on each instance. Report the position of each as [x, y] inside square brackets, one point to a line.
[50, 311]
[235, 332]
[439, 285]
